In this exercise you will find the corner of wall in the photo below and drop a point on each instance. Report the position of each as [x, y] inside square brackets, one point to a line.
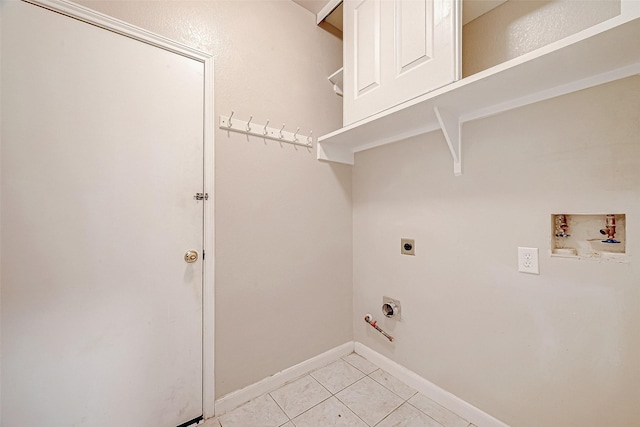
[429, 389]
[236, 398]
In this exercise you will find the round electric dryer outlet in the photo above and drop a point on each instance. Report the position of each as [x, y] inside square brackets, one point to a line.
[407, 246]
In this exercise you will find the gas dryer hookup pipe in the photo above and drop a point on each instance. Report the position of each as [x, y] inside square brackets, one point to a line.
[374, 323]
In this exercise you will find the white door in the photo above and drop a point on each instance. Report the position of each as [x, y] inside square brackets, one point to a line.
[102, 154]
[396, 50]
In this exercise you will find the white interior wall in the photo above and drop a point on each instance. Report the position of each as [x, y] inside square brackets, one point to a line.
[520, 26]
[555, 349]
[1, 7]
[283, 219]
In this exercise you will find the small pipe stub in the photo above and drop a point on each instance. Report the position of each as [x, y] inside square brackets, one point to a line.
[374, 324]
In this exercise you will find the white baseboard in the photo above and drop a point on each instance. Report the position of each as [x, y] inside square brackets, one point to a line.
[430, 390]
[266, 385]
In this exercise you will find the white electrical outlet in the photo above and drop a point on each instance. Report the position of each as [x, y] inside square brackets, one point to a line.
[528, 260]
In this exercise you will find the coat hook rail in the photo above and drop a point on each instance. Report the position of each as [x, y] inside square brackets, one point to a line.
[263, 131]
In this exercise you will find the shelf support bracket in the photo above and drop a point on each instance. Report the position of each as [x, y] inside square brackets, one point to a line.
[452, 129]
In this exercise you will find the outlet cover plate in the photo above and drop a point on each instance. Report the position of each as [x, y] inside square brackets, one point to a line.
[528, 260]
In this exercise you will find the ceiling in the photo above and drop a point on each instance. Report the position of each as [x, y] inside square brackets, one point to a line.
[471, 9]
[314, 6]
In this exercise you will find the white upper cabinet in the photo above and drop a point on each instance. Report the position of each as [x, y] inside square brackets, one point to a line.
[401, 67]
[396, 50]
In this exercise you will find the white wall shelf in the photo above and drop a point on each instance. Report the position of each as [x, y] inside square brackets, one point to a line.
[600, 54]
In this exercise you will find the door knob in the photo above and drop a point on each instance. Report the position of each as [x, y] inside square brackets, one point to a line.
[191, 256]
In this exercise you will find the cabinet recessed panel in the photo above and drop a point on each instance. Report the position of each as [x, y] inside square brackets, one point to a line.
[414, 35]
[367, 46]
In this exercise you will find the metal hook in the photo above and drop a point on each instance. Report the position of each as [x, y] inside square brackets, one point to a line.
[249, 124]
[229, 122]
[310, 138]
[265, 132]
[281, 135]
[295, 135]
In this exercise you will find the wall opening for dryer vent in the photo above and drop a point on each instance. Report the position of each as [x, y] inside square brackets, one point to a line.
[594, 236]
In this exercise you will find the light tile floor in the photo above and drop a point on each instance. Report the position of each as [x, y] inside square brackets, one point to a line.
[351, 392]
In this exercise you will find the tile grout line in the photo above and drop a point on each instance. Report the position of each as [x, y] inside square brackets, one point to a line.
[351, 410]
[428, 415]
[331, 395]
[309, 374]
[365, 375]
[368, 376]
[443, 407]
[317, 404]
[405, 400]
[344, 388]
[281, 408]
[338, 399]
[374, 380]
[399, 406]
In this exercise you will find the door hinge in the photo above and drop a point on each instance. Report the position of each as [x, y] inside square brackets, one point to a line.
[201, 196]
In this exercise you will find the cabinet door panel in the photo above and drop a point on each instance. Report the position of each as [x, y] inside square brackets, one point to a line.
[366, 21]
[408, 47]
[414, 43]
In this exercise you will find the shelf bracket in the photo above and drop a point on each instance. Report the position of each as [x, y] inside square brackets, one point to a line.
[452, 129]
[337, 80]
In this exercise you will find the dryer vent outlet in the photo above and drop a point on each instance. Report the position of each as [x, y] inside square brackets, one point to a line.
[391, 308]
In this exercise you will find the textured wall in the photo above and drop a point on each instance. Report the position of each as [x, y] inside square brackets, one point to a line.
[520, 26]
[283, 219]
[1, 7]
[556, 349]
